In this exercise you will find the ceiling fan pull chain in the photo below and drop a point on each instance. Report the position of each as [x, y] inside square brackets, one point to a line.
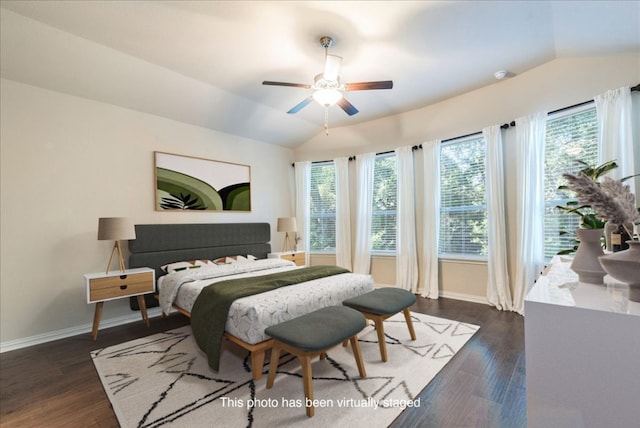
[326, 120]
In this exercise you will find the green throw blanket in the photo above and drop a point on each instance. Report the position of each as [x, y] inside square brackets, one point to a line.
[211, 308]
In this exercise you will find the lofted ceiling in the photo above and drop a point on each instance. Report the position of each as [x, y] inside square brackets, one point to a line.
[203, 62]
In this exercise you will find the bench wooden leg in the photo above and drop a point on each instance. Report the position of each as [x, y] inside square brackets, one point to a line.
[407, 317]
[358, 356]
[381, 340]
[307, 380]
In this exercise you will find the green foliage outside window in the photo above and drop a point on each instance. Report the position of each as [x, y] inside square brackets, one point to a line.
[463, 211]
[322, 222]
[385, 203]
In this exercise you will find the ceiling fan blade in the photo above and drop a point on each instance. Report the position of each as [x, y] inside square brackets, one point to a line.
[295, 85]
[347, 106]
[332, 67]
[302, 104]
[364, 86]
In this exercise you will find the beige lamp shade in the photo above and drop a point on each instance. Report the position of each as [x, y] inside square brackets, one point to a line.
[287, 224]
[115, 229]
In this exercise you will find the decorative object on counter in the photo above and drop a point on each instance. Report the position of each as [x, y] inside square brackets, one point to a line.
[610, 232]
[613, 202]
[287, 224]
[586, 263]
[625, 267]
[588, 219]
[619, 237]
[115, 229]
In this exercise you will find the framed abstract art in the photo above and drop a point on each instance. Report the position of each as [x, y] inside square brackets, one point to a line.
[191, 183]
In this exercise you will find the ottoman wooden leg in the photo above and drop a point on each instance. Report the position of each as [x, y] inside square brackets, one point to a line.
[307, 380]
[407, 317]
[358, 356]
[381, 340]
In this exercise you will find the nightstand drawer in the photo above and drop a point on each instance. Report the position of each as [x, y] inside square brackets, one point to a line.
[297, 258]
[120, 286]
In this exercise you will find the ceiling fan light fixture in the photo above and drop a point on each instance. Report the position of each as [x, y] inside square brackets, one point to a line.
[327, 97]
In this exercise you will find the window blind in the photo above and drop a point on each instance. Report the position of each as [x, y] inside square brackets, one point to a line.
[572, 136]
[463, 211]
[385, 198]
[322, 219]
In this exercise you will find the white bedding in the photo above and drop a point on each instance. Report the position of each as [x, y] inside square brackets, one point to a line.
[249, 316]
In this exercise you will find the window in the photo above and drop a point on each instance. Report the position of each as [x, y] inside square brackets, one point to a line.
[463, 210]
[572, 136]
[322, 221]
[385, 203]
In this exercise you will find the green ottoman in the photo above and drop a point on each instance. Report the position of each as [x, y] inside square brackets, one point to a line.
[312, 335]
[380, 304]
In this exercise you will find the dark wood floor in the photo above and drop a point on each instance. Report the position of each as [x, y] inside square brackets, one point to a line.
[56, 385]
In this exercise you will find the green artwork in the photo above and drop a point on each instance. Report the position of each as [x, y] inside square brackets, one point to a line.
[187, 183]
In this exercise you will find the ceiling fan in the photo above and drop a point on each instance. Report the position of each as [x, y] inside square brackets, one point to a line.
[327, 88]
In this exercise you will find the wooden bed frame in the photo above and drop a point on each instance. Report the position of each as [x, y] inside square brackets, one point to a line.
[158, 244]
[257, 350]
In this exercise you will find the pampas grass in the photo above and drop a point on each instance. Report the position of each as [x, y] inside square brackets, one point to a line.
[611, 200]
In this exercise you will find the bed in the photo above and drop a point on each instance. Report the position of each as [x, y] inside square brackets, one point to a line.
[160, 245]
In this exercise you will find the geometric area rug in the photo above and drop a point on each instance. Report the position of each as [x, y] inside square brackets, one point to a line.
[164, 380]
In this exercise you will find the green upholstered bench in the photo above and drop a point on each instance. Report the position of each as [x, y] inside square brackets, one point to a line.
[380, 304]
[313, 335]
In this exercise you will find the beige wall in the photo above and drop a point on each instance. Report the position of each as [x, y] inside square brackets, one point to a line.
[557, 84]
[67, 161]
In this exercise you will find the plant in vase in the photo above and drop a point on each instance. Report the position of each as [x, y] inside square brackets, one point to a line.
[589, 234]
[588, 219]
[613, 202]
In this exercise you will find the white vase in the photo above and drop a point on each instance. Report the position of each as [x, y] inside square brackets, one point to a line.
[625, 267]
[586, 263]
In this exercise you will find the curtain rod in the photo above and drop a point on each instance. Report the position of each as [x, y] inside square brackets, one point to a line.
[632, 89]
[504, 126]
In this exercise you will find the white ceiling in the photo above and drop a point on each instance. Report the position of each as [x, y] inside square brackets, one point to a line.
[202, 62]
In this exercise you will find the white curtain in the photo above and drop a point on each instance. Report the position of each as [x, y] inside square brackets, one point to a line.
[614, 132]
[406, 249]
[343, 216]
[365, 164]
[431, 161]
[530, 141]
[303, 181]
[498, 291]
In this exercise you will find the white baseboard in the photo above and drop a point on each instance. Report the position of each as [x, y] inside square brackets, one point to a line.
[466, 297]
[12, 345]
[451, 295]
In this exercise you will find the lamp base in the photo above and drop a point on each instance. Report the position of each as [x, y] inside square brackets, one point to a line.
[286, 246]
[116, 247]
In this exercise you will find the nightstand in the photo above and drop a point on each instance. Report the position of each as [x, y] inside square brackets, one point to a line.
[116, 285]
[298, 257]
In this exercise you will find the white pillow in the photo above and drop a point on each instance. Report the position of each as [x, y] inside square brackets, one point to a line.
[234, 259]
[180, 266]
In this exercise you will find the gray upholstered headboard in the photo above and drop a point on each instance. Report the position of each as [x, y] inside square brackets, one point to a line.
[158, 244]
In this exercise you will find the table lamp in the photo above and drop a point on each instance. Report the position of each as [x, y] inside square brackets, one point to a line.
[115, 229]
[287, 224]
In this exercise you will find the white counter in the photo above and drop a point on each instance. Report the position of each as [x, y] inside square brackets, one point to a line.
[582, 345]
